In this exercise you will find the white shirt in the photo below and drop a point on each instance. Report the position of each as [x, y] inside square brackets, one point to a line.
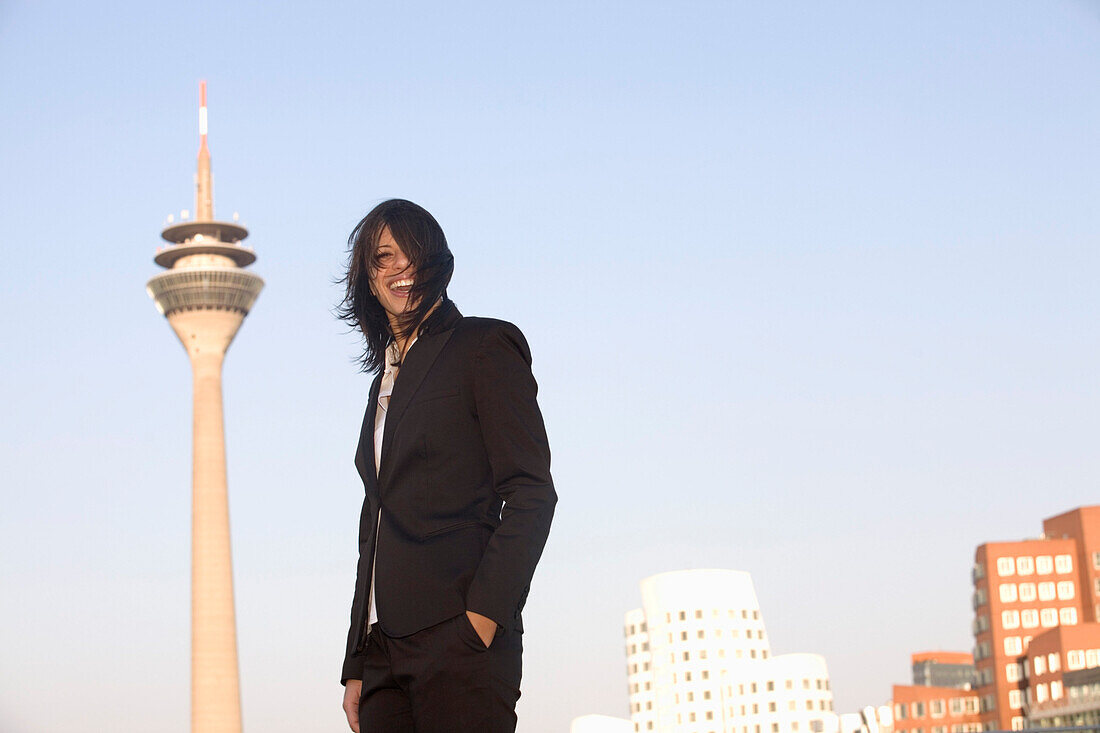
[385, 389]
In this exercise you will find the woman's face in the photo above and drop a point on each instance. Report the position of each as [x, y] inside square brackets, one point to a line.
[390, 283]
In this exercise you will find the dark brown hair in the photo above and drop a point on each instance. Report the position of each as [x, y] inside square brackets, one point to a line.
[421, 238]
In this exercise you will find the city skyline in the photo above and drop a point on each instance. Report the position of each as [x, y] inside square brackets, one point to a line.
[865, 236]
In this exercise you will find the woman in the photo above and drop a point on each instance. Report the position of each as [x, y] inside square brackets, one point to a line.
[456, 470]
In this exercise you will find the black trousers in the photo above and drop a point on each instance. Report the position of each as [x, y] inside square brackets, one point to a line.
[441, 679]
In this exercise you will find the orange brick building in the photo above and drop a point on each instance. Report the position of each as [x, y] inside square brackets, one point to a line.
[1063, 687]
[1023, 589]
[935, 709]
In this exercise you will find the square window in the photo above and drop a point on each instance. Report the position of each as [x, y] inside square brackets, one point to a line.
[1063, 563]
[1029, 618]
[1005, 566]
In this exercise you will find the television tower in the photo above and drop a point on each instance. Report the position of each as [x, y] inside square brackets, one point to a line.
[205, 295]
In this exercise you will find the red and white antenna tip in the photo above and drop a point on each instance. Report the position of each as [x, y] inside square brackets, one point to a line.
[202, 111]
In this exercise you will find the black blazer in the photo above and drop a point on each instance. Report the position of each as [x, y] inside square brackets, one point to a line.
[464, 437]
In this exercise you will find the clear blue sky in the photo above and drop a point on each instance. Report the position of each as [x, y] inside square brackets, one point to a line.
[811, 290]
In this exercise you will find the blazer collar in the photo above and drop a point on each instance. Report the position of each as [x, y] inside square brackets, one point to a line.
[435, 332]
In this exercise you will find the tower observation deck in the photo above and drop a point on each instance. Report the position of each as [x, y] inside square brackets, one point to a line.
[205, 294]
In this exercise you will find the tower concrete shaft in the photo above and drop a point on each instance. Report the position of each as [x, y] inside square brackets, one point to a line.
[205, 294]
[215, 693]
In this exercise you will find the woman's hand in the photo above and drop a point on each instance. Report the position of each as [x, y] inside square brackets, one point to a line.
[352, 689]
[485, 627]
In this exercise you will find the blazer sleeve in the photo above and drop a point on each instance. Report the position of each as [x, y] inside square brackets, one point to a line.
[353, 657]
[519, 456]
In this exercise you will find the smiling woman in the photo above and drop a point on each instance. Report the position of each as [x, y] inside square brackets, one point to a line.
[396, 232]
[458, 495]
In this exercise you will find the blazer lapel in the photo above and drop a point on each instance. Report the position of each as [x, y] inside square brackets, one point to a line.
[418, 362]
[364, 457]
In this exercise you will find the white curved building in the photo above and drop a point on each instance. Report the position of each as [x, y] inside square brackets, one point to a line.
[600, 724]
[699, 661]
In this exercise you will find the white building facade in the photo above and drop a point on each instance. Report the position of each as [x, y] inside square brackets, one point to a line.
[600, 724]
[699, 661]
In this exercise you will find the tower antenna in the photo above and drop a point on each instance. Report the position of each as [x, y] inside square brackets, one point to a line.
[204, 193]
